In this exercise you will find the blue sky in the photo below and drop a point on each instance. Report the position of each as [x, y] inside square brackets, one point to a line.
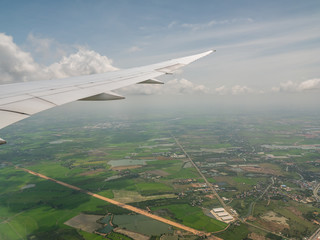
[262, 46]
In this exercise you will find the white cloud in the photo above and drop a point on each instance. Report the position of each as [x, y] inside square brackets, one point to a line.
[172, 24]
[236, 90]
[221, 90]
[46, 49]
[205, 25]
[172, 87]
[84, 62]
[289, 86]
[311, 84]
[134, 49]
[17, 65]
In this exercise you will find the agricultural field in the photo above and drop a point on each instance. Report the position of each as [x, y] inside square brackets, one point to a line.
[264, 168]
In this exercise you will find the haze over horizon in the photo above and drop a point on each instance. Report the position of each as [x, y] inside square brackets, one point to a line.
[267, 52]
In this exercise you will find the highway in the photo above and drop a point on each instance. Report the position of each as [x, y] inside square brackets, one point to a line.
[125, 206]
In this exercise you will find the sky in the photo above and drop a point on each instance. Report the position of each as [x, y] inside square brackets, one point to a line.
[264, 49]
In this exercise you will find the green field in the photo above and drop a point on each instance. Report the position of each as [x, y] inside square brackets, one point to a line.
[245, 180]
[192, 217]
[78, 151]
[152, 188]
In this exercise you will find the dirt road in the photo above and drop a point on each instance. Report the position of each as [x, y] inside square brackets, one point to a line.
[125, 206]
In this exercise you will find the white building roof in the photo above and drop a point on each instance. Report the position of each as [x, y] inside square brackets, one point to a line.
[227, 218]
[223, 214]
[218, 210]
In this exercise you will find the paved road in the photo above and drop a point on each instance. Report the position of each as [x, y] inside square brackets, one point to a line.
[204, 178]
[315, 192]
[316, 235]
[217, 195]
[125, 206]
[251, 207]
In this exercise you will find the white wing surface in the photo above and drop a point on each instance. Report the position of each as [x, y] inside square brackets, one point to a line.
[21, 100]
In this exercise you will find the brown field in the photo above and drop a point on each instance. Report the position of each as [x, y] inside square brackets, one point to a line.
[271, 226]
[273, 217]
[131, 196]
[273, 222]
[261, 169]
[211, 196]
[97, 153]
[255, 236]
[158, 172]
[120, 168]
[133, 235]
[163, 158]
[85, 222]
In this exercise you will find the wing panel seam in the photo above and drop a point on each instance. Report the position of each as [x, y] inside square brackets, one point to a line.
[11, 111]
[45, 100]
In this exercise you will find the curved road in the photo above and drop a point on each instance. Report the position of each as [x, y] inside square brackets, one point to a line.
[315, 192]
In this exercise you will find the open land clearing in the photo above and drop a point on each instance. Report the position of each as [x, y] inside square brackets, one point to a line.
[158, 172]
[263, 169]
[131, 196]
[273, 217]
[85, 222]
[133, 235]
[120, 168]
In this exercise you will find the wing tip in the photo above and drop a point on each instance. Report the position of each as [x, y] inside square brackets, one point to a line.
[209, 52]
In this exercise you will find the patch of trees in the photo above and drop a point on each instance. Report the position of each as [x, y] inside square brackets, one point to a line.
[312, 216]
[273, 236]
[54, 234]
[105, 209]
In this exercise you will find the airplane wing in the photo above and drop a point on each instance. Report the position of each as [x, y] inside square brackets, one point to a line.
[21, 100]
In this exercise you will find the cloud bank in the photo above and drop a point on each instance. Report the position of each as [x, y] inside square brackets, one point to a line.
[172, 87]
[17, 65]
[285, 87]
[235, 90]
[308, 85]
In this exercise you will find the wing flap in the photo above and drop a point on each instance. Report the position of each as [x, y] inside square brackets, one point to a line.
[54, 91]
[7, 100]
[107, 96]
[151, 81]
[7, 118]
[28, 106]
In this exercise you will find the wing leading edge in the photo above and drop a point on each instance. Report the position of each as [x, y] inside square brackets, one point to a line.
[21, 100]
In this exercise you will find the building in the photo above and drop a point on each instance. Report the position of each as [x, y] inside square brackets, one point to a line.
[222, 215]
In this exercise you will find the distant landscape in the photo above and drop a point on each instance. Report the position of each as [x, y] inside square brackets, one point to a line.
[263, 165]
